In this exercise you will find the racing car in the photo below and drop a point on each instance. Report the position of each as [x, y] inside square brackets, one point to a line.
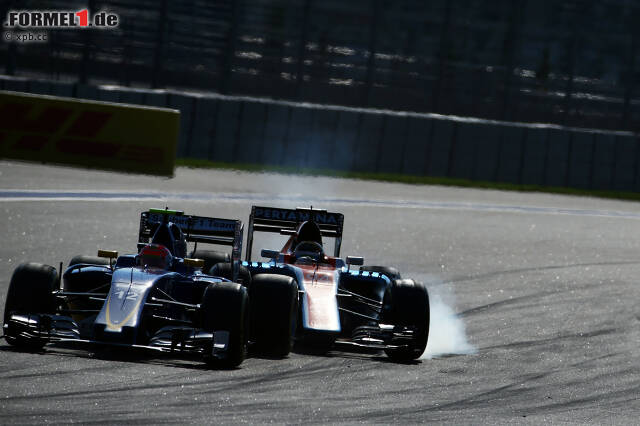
[157, 299]
[371, 307]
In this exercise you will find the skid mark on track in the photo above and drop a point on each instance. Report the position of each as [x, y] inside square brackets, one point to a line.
[505, 302]
[525, 298]
[551, 340]
[620, 397]
[520, 396]
[214, 380]
[494, 274]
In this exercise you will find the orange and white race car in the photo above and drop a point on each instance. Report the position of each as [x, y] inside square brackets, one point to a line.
[331, 303]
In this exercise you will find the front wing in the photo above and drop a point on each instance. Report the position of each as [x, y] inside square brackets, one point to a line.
[42, 329]
[379, 337]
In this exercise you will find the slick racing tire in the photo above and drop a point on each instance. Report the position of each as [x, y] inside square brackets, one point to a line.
[390, 272]
[224, 270]
[89, 260]
[30, 292]
[210, 257]
[225, 307]
[274, 311]
[406, 303]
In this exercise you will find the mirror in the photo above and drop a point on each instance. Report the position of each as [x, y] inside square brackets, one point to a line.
[355, 260]
[194, 263]
[109, 254]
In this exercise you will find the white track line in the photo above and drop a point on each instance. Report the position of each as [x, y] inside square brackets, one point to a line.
[16, 195]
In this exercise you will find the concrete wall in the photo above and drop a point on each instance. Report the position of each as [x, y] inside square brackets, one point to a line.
[259, 131]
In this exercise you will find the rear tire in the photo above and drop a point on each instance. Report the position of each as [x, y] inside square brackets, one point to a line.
[390, 272]
[225, 270]
[210, 257]
[225, 308]
[274, 311]
[406, 303]
[30, 292]
[89, 260]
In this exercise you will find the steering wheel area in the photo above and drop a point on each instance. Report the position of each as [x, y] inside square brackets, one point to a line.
[309, 249]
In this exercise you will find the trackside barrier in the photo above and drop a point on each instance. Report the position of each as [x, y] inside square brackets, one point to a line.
[88, 133]
[259, 131]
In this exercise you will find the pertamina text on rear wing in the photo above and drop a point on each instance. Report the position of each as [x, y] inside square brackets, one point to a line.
[286, 221]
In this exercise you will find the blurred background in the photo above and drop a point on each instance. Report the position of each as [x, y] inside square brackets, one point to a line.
[570, 62]
[523, 92]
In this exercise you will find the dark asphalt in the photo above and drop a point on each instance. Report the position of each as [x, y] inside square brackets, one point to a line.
[546, 286]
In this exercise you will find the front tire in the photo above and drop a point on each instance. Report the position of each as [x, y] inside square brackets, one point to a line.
[30, 292]
[274, 309]
[225, 308]
[406, 303]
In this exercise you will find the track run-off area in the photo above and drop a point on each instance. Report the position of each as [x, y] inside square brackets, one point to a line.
[534, 304]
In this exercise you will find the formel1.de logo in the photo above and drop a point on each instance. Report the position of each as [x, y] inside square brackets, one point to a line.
[29, 25]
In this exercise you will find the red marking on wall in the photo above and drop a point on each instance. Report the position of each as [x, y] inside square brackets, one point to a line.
[31, 142]
[89, 123]
[49, 120]
[14, 116]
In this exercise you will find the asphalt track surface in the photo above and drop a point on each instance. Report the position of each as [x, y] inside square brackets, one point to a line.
[545, 285]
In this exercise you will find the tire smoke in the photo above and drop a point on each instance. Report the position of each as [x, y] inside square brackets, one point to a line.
[447, 334]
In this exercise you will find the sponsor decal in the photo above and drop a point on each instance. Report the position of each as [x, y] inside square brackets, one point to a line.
[295, 215]
[96, 134]
[71, 132]
[196, 223]
[317, 277]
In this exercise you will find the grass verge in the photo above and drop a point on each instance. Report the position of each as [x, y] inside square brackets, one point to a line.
[410, 179]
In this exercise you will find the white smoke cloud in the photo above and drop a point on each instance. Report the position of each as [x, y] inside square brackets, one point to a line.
[447, 334]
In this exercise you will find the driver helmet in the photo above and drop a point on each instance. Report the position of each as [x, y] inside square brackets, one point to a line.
[155, 256]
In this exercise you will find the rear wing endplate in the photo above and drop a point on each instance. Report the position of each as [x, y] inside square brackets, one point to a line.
[286, 221]
[198, 229]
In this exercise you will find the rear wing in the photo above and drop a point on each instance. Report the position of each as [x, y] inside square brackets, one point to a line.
[198, 229]
[286, 222]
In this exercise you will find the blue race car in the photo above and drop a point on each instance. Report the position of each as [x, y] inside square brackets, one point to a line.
[158, 299]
